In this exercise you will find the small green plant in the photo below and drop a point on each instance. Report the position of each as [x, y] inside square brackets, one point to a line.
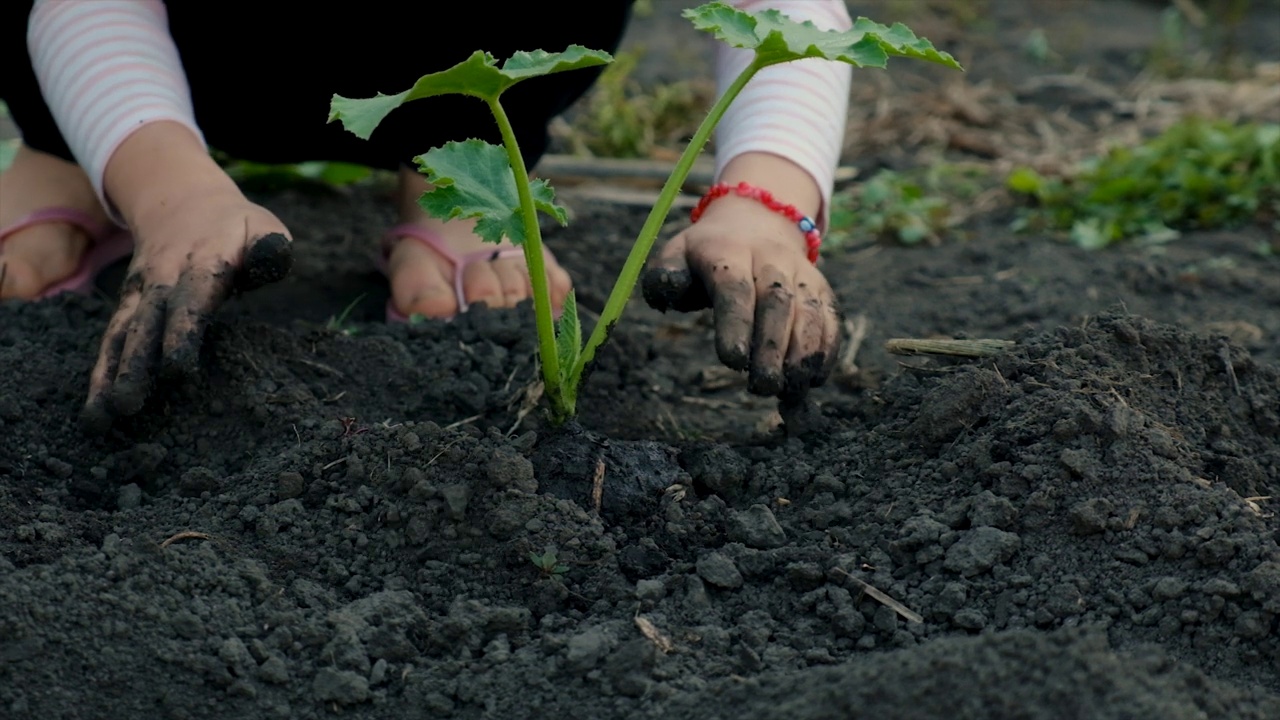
[919, 206]
[623, 120]
[548, 563]
[341, 323]
[891, 207]
[1200, 42]
[1037, 47]
[473, 179]
[1198, 174]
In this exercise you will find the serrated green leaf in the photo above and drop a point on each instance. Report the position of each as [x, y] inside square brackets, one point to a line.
[568, 334]
[776, 38]
[473, 179]
[478, 76]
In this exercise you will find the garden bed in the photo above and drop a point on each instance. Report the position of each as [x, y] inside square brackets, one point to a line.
[337, 518]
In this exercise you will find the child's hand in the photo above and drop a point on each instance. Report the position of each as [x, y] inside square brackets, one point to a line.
[197, 240]
[775, 313]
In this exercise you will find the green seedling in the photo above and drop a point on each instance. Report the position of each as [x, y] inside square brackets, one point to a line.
[891, 207]
[624, 120]
[1201, 41]
[548, 563]
[340, 323]
[921, 206]
[1196, 175]
[476, 180]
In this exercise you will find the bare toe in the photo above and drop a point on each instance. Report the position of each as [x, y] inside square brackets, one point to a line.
[421, 281]
[45, 253]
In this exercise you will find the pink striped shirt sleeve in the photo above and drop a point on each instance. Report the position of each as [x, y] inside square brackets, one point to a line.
[797, 110]
[107, 68]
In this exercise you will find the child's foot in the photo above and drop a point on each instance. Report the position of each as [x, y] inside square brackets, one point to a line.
[422, 280]
[41, 255]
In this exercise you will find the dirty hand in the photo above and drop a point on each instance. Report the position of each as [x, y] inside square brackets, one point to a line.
[196, 243]
[775, 313]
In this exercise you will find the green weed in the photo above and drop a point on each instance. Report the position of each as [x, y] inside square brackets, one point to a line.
[548, 563]
[907, 208]
[623, 119]
[1198, 174]
[1200, 42]
[341, 323]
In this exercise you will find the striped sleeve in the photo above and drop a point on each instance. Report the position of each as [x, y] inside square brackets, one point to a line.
[797, 110]
[106, 68]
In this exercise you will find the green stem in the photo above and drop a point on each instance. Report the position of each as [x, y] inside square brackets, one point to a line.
[634, 265]
[532, 247]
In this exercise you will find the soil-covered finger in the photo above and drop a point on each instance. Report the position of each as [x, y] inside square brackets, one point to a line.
[140, 356]
[775, 307]
[676, 290]
[97, 414]
[808, 352]
[733, 301]
[267, 260]
[191, 305]
[669, 284]
[832, 336]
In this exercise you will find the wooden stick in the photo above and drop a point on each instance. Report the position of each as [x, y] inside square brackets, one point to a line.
[961, 348]
[184, 535]
[884, 599]
[653, 634]
[569, 166]
[597, 486]
[633, 197]
[856, 329]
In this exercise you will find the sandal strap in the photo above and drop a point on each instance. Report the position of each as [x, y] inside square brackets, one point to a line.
[460, 262]
[83, 220]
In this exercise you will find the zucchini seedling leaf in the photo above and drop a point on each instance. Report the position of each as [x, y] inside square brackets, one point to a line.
[474, 179]
[568, 334]
[478, 76]
[776, 38]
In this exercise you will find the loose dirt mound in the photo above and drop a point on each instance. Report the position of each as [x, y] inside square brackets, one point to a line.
[250, 554]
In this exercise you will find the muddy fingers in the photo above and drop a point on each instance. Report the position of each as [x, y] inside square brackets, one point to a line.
[158, 331]
[771, 336]
[267, 260]
[669, 284]
[141, 352]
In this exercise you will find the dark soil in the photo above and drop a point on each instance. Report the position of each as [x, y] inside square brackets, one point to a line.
[337, 520]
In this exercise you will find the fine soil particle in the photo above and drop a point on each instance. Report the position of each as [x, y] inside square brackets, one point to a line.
[341, 519]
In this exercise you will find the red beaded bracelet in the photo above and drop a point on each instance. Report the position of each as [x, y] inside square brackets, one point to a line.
[812, 238]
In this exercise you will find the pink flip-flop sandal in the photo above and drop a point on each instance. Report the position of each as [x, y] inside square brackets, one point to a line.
[107, 244]
[460, 262]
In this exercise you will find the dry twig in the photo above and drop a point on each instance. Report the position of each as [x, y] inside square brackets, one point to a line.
[532, 395]
[184, 535]
[856, 328]
[960, 348]
[463, 421]
[597, 486]
[882, 598]
[654, 635]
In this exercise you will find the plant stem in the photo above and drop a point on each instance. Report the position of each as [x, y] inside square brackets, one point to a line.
[532, 247]
[631, 270]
